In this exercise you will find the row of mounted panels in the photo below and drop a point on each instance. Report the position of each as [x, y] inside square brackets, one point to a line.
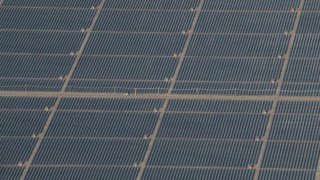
[165, 152]
[159, 87]
[24, 123]
[122, 44]
[115, 68]
[270, 5]
[83, 173]
[118, 74]
[156, 21]
[145, 105]
[188, 119]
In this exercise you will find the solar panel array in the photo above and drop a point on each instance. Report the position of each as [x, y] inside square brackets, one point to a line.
[194, 89]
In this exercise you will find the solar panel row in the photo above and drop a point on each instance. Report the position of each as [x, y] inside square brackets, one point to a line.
[108, 138]
[150, 173]
[272, 5]
[194, 116]
[184, 152]
[124, 23]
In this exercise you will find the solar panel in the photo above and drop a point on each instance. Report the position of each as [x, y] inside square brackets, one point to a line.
[159, 89]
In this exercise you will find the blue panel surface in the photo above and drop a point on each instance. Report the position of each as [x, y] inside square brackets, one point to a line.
[219, 106]
[300, 89]
[226, 88]
[55, 3]
[102, 124]
[14, 151]
[195, 174]
[219, 126]
[286, 175]
[135, 44]
[134, 68]
[10, 173]
[159, 4]
[296, 155]
[30, 85]
[110, 104]
[295, 127]
[82, 173]
[48, 19]
[311, 5]
[144, 21]
[132, 87]
[306, 46]
[91, 151]
[303, 70]
[22, 123]
[204, 153]
[238, 45]
[245, 22]
[40, 42]
[309, 22]
[26, 102]
[298, 107]
[257, 5]
[209, 69]
[34, 66]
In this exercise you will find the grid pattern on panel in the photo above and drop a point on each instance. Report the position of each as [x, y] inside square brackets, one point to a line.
[303, 70]
[309, 22]
[160, 4]
[10, 172]
[296, 127]
[247, 70]
[22, 123]
[312, 5]
[286, 175]
[49, 3]
[130, 87]
[224, 88]
[40, 42]
[300, 89]
[306, 46]
[34, 66]
[175, 51]
[134, 44]
[243, 45]
[25, 85]
[45, 19]
[144, 21]
[245, 22]
[82, 173]
[21, 119]
[258, 5]
[216, 126]
[14, 150]
[25, 102]
[302, 78]
[204, 153]
[298, 107]
[219, 106]
[90, 152]
[297, 155]
[130, 68]
[102, 124]
[186, 173]
[110, 104]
